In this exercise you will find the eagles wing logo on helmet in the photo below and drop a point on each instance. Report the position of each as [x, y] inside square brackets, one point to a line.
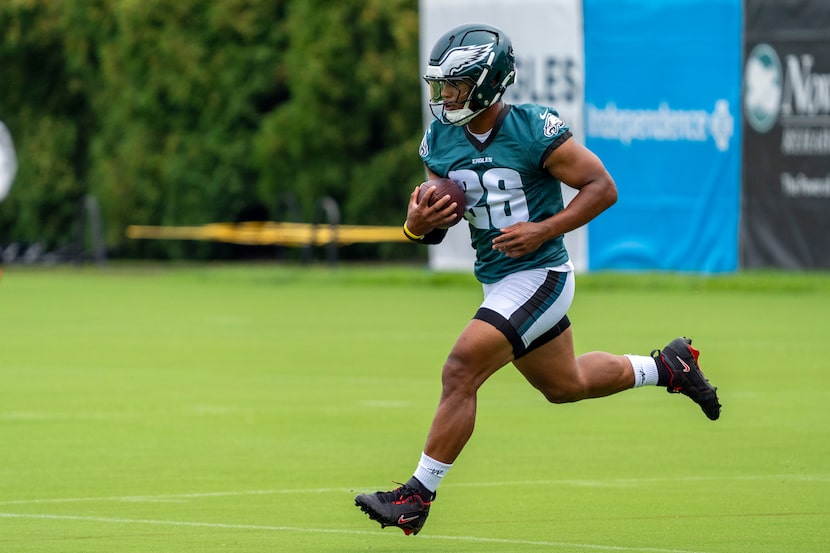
[462, 58]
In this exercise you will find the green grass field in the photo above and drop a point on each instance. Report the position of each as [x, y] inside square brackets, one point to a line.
[214, 409]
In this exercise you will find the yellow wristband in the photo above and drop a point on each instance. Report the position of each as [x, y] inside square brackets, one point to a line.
[409, 234]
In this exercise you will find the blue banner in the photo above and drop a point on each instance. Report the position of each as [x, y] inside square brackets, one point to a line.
[662, 110]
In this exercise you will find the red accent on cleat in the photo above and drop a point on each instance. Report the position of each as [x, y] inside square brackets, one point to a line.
[695, 353]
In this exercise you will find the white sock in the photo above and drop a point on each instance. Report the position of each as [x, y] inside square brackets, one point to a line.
[645, 370]
[430, 472]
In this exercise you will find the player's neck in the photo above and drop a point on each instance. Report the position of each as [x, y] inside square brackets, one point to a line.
[486, 120]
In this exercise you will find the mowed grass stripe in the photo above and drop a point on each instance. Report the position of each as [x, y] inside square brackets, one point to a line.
[610, 483]
[256, 527]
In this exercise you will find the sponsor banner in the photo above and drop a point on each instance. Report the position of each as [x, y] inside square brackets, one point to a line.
[547, 39]
[662, 110]
[786, 125]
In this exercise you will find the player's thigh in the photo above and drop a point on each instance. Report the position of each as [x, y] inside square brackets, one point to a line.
[480, 350]
[519, 314]
[552, 368]
[529, 307]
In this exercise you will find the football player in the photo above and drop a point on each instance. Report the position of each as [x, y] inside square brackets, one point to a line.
[510, 161]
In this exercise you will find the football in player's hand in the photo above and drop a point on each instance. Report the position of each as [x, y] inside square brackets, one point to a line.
[442, 188]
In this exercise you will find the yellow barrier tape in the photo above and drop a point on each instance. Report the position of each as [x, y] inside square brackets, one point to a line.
[270, 233]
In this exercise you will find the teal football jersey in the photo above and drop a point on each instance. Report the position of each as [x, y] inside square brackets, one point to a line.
[504, 182]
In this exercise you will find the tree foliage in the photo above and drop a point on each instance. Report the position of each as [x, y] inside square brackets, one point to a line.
[184, 112]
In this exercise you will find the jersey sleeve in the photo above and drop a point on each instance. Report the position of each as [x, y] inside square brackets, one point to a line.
[547, 130]
[428, 147]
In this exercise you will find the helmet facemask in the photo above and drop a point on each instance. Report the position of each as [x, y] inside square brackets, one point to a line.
[463, 97]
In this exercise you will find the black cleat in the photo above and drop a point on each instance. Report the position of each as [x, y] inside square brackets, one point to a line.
[402, 507]
[686, 377]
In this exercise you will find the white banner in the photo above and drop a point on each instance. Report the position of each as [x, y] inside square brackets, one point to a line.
[8, 161]
[547, 39]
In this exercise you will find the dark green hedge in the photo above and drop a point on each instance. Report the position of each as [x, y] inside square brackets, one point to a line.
[184, 112]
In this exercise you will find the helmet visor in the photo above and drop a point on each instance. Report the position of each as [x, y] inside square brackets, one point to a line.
[448, 90]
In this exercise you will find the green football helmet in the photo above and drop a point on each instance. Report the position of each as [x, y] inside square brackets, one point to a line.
[478, 55]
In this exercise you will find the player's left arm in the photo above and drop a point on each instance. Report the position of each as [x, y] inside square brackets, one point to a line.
[579, 168]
